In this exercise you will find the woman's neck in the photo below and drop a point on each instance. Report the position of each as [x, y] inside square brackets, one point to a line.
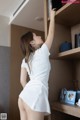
[38, 46]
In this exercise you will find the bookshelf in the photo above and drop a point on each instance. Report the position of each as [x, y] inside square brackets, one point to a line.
[65, 65]
[68, 109]
[70, 54]
[67, 15]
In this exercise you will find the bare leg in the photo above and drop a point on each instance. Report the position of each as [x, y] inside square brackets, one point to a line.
[23, 114]
[33, 115]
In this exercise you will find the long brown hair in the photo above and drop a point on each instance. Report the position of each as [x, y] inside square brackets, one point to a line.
[25, 44]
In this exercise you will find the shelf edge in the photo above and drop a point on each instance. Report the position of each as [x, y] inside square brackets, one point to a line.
[68, 109]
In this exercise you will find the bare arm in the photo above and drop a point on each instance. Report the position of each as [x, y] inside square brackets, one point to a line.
[23, 77]
[50, 36]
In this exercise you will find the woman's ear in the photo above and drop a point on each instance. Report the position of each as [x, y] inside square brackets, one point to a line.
[32, 42]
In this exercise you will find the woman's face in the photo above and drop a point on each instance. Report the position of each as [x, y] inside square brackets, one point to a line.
[37, 41]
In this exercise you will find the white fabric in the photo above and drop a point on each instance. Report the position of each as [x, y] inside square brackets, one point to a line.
[35, 93]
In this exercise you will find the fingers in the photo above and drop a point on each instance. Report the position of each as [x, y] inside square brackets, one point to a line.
[54, 9]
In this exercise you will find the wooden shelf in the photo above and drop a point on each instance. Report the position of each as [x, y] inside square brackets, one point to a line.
[68, 109]
[70, 54]
[68, 14]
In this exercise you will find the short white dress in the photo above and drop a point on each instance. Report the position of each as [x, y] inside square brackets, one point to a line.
[35, 92]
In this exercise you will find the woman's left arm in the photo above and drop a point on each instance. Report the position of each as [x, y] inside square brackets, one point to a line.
[23, 77]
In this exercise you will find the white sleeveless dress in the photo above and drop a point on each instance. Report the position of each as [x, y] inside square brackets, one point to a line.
[35, 92]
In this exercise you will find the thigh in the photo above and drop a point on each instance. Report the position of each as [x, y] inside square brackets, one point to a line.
[20, 104]
[33, 115]
[23, 113]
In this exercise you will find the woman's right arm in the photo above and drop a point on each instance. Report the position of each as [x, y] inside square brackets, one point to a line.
[23, 77]
[50, 36]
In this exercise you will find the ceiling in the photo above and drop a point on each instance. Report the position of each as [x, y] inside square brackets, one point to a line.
[7, 7]
[26, 17]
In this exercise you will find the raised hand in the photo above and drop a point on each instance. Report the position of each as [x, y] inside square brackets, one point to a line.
[52, 13]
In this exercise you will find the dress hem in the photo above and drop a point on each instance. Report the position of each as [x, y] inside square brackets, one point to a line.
[32, 108]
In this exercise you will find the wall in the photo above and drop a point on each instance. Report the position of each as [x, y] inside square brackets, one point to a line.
[4, 64]
[16, 58]
[4, 31]
[4, 78]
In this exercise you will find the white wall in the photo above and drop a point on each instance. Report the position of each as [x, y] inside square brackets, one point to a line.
[4, 31]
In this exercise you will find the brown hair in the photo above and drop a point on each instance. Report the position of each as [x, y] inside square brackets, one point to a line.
[25, 44]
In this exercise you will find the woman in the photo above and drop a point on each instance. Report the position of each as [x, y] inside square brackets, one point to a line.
[33, 100]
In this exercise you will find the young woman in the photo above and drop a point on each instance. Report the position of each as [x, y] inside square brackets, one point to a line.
[33, 100]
